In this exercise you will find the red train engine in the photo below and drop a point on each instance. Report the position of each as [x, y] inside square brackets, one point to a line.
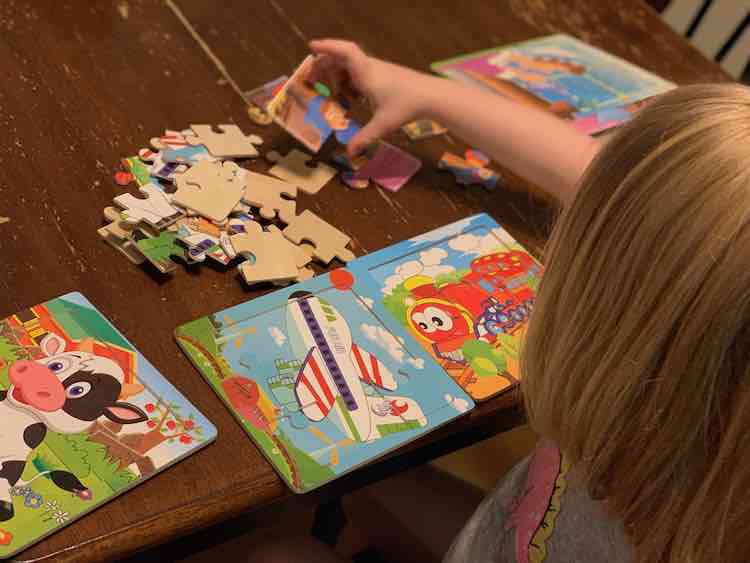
[493, 298]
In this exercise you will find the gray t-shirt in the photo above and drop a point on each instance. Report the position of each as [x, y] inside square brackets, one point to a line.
[539, 514]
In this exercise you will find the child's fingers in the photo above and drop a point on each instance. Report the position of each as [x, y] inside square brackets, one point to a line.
[376, 128]
[346, 51]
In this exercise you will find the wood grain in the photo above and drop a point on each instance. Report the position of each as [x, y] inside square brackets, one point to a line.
[85, 83]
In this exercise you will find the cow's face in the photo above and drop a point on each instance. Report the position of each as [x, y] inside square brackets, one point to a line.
[69, 391]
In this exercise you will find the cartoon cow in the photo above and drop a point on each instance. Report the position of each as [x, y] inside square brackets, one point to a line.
[65, 392]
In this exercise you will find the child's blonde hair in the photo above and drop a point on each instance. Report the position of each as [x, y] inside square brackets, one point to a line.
[637, 358]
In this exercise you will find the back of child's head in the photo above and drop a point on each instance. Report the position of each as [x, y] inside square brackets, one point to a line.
[637, 358]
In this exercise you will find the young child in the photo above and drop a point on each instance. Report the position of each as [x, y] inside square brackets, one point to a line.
[636, 365]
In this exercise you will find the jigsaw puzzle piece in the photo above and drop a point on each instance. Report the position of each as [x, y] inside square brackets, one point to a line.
[230, 142]
[212, 189]
[158, 168]
[202, 239]
[470, 170]
[299, 169]
[117, 234]
[133, 169]
[303, 255]
[266, 193]
[188, 155]
[385, 164]
[268, 256]
[154, 210]
[328, 241]
[161, 248]
[170, 140]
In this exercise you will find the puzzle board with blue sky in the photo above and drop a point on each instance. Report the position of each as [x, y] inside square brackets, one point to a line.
[465, 293]
[321, 377]
[85, 417]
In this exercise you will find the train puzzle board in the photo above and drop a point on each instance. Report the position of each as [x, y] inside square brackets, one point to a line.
[465, 292]
[321, 377]
[85, 417]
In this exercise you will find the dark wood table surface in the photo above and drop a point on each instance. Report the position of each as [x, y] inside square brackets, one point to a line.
[83, 84]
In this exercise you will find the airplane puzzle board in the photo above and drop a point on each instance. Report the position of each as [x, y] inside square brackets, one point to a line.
[593, 89]
[85, 417]
[465, 292]
[321, 377]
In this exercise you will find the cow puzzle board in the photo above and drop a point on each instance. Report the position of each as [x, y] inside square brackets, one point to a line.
[320, 377]
[465, 292]
[85, 417]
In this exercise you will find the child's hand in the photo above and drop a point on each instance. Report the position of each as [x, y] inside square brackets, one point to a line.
[393, 90]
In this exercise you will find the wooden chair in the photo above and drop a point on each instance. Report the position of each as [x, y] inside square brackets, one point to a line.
[718, 28]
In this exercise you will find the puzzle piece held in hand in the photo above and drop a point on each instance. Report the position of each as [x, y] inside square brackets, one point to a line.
[385, 164]
[268, 256]
[213, 189]
[469, 170]
[154, 209]
[266, 193]
[299, 169]
[329, 242]
[231, 142]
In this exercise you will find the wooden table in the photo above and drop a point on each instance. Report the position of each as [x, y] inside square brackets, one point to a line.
[85, 83]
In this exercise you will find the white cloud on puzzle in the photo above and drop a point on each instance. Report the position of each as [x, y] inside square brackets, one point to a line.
[278, 337]
[385, 340]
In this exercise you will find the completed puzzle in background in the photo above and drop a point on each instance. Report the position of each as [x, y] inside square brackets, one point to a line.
[318, 379]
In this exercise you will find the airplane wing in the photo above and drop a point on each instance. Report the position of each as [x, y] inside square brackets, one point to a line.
[393, 414]
[371, 370]
[314, 388]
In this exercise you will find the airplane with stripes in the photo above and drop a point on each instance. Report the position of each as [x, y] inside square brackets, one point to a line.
[331, 382]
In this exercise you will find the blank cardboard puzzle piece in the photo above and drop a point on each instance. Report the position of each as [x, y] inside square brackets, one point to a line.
[230, 142]
[299, 169]
[117, 226]
[266, 193]
[213, 189]
[117, 234]
[469, 170]
[303, 255]
[329, 242]
[160, 249]
[155, 209]
[158, 168]
[385, 164]
[268, 257]
[126, 246]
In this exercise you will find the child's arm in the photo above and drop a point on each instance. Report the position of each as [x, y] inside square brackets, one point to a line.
[533, 144]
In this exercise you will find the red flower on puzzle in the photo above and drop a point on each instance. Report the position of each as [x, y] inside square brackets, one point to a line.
[5, 537]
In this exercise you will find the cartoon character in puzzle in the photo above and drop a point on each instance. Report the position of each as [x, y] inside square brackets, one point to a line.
[492, 299]
[313, 113]
[65, 392]
[331, 382]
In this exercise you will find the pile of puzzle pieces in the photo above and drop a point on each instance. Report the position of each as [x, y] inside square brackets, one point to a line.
[198, 203]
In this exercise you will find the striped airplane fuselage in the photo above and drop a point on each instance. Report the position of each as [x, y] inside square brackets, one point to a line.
[318, 329]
